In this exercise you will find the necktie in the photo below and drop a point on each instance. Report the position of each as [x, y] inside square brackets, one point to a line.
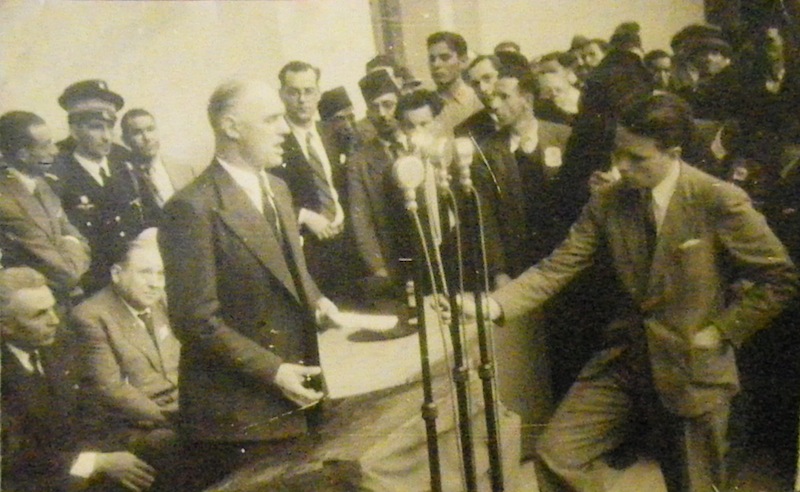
[324, 194]
[269, 210]
[147, 319]
[36, 363]
[103, 176]
[649, 220]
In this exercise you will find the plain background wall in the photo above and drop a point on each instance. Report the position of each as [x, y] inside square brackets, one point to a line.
[168, 56]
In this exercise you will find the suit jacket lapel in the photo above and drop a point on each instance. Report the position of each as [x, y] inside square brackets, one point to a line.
[133, 330]
[31, 206]
[239, 214]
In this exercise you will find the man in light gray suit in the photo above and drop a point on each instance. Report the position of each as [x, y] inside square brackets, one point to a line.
[677, 237]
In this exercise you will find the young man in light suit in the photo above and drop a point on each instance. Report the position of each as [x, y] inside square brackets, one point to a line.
[676, 236]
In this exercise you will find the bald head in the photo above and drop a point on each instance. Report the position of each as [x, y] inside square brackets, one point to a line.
[247, 118]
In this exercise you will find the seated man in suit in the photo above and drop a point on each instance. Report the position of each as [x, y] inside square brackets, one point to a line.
[131, 355]
[678, 239]
[41, 428]
[35, 229]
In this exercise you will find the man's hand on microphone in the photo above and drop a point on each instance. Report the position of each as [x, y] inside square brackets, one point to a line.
[292, 379]
[491, 309]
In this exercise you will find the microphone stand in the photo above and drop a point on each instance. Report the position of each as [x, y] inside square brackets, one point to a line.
[480, 286]
[421, 260]
[460, 357]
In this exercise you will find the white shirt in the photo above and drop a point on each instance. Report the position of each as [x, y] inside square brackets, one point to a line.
[27, 181]
[662, 194]
[93, 168]
[250, 183]
[160, 179]
[531, 140]
[301, 134]
[25, 359]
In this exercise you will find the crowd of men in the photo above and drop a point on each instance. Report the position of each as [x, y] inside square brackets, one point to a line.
[622, 161]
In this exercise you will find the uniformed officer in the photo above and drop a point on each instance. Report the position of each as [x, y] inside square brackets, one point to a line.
[99, 191]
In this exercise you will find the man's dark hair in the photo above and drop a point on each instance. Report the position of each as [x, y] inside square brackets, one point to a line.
[496, 63]
[454, 41]
[15, 132]
[296, 66]
[525, 79]
[418, 99]
[666, 118]
[651, 57]
[131, 114]
[511, 46]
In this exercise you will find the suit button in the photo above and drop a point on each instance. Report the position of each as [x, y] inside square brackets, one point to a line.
[88, 224]
[117, 218]
[270, 346]
[122, 234]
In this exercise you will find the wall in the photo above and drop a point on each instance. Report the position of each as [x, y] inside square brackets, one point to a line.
[167, 56]
[540, 26]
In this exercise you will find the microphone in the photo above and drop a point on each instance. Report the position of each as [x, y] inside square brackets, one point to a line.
[409, 173]
[465, 151]
[441, 157]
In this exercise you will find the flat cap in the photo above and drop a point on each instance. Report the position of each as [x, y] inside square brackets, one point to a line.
[90, 95]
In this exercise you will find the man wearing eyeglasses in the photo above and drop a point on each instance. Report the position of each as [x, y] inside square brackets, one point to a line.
[315, 177]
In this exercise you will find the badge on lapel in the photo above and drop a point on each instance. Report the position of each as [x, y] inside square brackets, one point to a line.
[84, 203]
[552, 157]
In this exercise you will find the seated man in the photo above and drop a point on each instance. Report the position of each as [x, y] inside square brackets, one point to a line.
[130, 352]
[35, 229]
[40, 425]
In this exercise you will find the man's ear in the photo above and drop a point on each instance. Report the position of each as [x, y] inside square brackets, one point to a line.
[230, 127]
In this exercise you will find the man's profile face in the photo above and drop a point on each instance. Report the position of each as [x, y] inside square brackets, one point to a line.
[259, 126]
[39, 155]
[381, 113]
[93, 137]
[508, 103]
[710, 62]
[31, 321]
[141, 135]
[139, 280]
[641, 162]
[482, 78]
[661, 69]
[444, 64]
[300, 94]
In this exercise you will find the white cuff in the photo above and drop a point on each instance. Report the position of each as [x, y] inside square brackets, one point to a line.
[84, 465]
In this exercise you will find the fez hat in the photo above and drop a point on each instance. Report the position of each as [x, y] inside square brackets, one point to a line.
[626, 36]
[377, 83]
[90, 95]
[333, 101]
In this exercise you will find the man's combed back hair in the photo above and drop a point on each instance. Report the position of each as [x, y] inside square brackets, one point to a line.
[419, 99]
[294, 67]
[14, 279]
[526, 81]
[222, 99]
[666, 118]
[125, 122]
[15, 132]
[454, 41]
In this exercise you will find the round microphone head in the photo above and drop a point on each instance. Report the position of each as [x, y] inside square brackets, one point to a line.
[409, 172]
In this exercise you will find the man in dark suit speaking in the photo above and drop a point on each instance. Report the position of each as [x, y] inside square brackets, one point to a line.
[677, 238]
[241, 300]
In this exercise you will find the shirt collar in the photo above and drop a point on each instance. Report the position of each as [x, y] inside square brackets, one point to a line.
[93, 167]
[662, 192]
[459, 92]
[249, 182]
[23, 356]
[29, 182]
